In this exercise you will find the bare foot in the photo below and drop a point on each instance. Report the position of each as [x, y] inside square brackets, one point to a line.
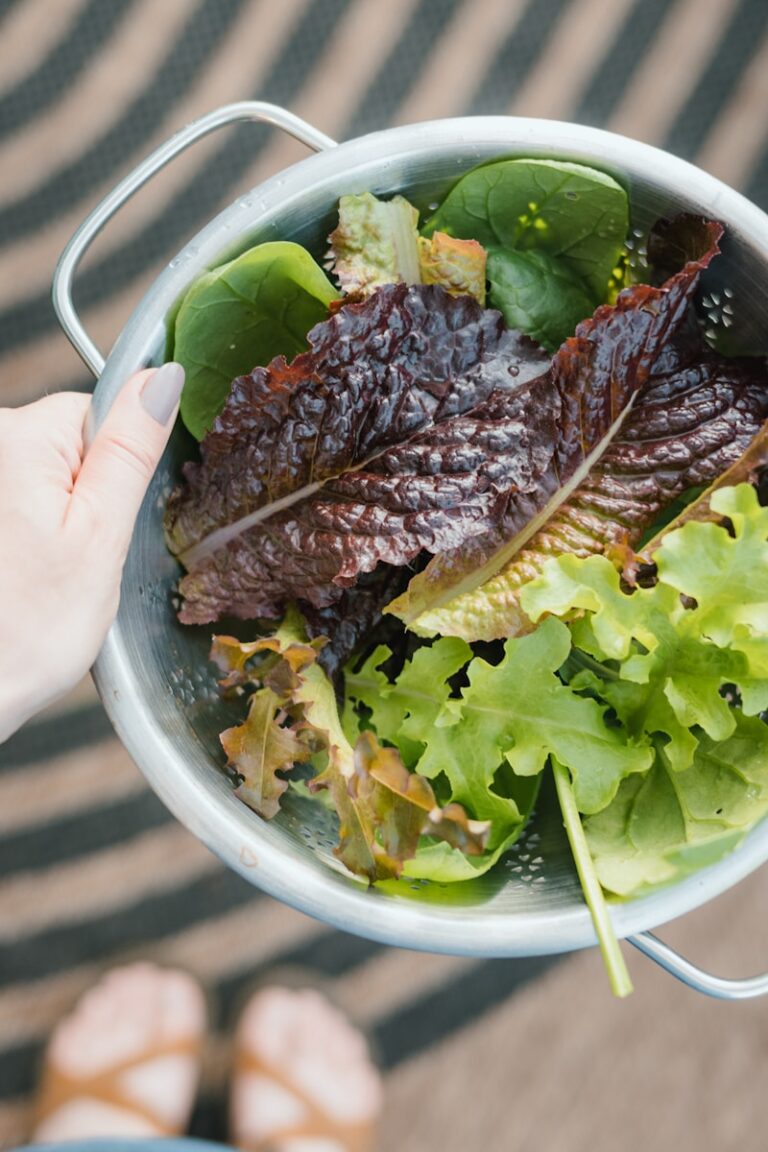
[126, 1062]
[303, 1078]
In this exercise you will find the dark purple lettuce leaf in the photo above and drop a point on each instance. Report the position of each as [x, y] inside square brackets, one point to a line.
[377, 372]
[611, 358]
[352, 618]
[674, 242]
[696, 417]
[685, 430]
[376, 440]
[748, 468]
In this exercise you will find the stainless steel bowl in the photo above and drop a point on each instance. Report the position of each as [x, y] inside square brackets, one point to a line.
[153, 674]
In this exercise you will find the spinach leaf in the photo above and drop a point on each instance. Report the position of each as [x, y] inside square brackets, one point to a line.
[520, 281]
[243, 314]
[570, 222]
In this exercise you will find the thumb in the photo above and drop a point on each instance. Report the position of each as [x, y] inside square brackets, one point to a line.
[120, 463]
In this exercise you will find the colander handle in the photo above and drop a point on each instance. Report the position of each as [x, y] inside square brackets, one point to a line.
[246, 110]
[696, 978]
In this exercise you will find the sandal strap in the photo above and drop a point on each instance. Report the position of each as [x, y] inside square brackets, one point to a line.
[58, 1087]
[354, 1137]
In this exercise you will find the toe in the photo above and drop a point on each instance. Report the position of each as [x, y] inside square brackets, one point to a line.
[183, 1008]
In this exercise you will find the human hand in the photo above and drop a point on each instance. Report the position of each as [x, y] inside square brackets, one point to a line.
[66, 522]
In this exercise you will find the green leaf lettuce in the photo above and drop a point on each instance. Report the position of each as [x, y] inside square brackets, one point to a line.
[667, 824]
[666, 659]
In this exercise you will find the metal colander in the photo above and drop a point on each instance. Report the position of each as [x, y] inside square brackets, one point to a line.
[153, 674]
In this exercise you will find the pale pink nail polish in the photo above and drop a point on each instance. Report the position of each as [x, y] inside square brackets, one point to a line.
[162, 392]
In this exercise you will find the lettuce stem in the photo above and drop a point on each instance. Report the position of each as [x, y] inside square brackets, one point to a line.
[588, 662]
[621, 984]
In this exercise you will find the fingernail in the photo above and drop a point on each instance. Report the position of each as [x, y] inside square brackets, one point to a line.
[162, 391]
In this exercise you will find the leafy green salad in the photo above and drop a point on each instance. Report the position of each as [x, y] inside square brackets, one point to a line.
[490, 498]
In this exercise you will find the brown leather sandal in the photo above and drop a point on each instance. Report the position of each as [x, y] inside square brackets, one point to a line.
[351, 1137]
[58, 1088]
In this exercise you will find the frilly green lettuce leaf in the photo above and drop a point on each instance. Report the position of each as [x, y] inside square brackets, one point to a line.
[668, 824]
[674, 691]
[726, 574]
[669, 656]
[408, 712]
[519, 711]
[753, 687]
[404, 712]
[511, 715]
[570, 586]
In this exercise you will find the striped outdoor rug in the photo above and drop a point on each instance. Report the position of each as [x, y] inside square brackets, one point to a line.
[93, 869]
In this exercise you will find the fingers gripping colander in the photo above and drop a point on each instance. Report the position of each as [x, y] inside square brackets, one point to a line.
[153, 674]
